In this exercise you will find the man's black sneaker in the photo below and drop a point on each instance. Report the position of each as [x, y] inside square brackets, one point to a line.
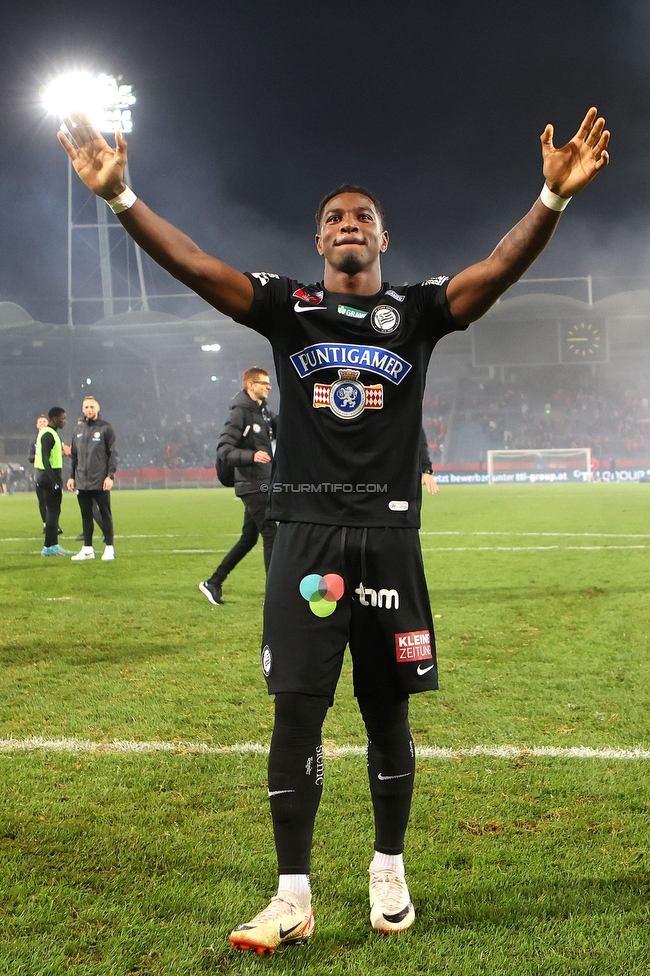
[212, 591]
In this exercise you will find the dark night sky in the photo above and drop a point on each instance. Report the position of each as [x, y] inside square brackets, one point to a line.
[249, 111]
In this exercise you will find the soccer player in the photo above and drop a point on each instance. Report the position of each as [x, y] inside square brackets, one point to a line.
[351, 356]
[41, 422]
[94, 461]
[48, 465]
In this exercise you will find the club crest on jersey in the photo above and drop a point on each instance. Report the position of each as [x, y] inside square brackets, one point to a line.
[385, 319]
[347, 398]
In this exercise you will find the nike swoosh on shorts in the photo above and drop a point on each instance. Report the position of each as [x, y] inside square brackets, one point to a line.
[398, 776]
[422, 670]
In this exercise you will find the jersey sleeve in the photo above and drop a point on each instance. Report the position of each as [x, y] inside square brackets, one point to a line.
[430, 298]
[271, 298]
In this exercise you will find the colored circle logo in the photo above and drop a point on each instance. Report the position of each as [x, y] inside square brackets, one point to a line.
[322, 592]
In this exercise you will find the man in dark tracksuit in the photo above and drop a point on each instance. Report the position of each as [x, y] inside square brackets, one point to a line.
[94, 461]
[48, 467]
[246, 443]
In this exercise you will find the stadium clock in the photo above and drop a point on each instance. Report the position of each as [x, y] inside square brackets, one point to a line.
[582, 341]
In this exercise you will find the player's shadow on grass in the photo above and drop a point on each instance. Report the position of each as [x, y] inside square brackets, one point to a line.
[533, 901]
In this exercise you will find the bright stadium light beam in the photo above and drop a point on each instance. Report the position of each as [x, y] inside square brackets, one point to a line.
[106, 102]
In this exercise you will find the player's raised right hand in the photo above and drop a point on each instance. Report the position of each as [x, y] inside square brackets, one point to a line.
[96, 163]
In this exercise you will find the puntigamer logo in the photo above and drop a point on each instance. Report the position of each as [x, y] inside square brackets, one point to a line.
[324, 355]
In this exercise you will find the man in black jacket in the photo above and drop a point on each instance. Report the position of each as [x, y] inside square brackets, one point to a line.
[246, 443]
[94, 461]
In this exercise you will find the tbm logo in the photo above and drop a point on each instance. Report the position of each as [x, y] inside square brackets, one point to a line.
[384, 598]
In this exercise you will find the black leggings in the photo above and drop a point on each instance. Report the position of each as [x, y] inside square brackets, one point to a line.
[295, 774]
[51, 494]
[103, 499]
[255, 524]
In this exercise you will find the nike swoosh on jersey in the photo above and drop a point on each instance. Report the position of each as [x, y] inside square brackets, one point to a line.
[422, 670]
[278, 792]
[309, 308]
[398, 776]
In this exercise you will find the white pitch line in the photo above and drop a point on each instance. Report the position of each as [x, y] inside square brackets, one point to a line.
[258, 550]
[553, 535]
[528, 548]
[454, 532]
[122, 747]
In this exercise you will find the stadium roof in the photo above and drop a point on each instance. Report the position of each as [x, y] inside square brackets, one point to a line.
[150, 335]
[156, 334]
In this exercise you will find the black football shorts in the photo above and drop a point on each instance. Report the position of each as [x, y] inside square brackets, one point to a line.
[329, 587]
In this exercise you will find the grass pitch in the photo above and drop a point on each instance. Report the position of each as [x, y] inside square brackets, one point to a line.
[126, 863]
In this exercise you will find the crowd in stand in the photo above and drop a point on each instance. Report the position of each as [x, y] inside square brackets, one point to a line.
[584, 411]
[434, 411]
[531, 409]
[178, 434]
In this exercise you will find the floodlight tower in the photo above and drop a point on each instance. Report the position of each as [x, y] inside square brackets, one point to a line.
[108, 105]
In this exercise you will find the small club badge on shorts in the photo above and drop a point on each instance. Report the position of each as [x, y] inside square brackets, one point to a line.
[267, 660]
[347, 397]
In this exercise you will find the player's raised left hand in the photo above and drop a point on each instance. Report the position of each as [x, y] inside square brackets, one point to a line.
[569, 169]
[96, 163]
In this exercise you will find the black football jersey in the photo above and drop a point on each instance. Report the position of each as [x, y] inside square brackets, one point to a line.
[351, 371]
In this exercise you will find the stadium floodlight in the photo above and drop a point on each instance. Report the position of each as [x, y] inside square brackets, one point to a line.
[106, 102]
[211, 347]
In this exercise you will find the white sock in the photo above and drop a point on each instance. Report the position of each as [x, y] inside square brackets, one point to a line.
[388, 862]
[298, 885]
[88, 549]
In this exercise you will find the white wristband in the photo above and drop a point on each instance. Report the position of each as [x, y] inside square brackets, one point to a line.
[124, 200]
[552, 200]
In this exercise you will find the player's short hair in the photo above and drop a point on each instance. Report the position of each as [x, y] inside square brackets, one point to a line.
[90, 397]
[254, 374]
[55, 412]
[351, 188]
[42, 416]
